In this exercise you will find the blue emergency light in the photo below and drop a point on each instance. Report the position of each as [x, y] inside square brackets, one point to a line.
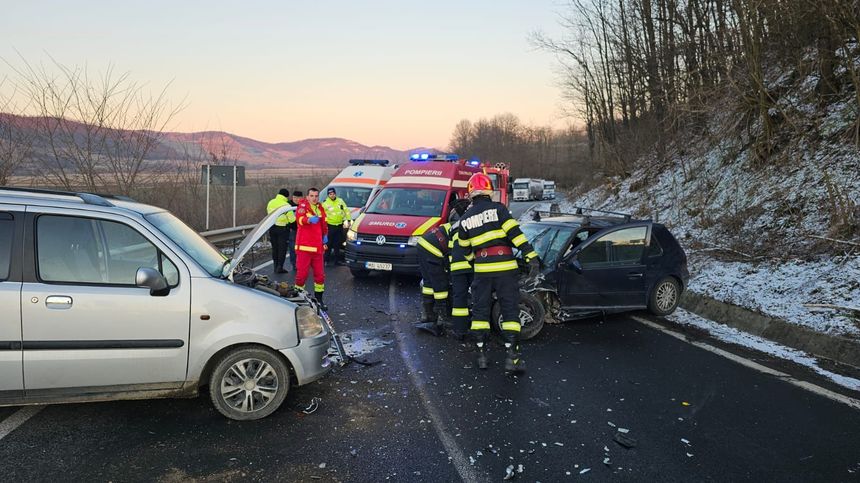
[474, 162]
[362, 162]
[433, 157]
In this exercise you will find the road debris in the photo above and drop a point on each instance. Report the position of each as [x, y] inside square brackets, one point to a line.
[313, 406]
[471, 461]
[624, 440]
[520, 468]
[322, 466]
[509, 472]
[685, 441]
[685, 403]
[611, 424]
[584, 471]
[623, 430]
[606, 462]
[558, 444]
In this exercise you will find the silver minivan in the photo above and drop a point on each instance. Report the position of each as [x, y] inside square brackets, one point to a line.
[104, 298]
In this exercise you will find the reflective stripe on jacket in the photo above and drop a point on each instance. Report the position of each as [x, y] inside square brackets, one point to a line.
[487, 224]
[309, 235]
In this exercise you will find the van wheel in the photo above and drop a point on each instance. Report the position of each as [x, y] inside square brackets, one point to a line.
[664, 297]
[249, 383]
[359, 272]
[532, 314]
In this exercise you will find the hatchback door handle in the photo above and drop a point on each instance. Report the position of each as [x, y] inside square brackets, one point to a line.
[635, 275]
[58, 302]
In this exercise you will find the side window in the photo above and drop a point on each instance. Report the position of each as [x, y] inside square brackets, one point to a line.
[81, 250]
[618, 248]
[7, 231]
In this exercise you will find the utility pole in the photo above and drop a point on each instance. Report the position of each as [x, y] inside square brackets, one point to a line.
[208, 182]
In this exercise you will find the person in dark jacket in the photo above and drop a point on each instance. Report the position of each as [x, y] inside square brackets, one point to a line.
[434, 257]
[291, 226]
[487, 236]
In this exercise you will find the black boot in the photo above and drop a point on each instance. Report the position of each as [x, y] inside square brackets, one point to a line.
[514, 361]
[482, 356]
[319, 298]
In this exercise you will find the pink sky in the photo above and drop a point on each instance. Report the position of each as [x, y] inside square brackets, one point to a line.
[393, 73]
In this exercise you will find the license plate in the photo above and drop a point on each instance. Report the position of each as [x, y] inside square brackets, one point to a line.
[377, 266]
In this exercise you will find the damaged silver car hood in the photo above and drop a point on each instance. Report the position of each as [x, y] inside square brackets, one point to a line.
[253, 236]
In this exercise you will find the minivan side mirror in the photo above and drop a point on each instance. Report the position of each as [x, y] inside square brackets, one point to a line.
[153, 280]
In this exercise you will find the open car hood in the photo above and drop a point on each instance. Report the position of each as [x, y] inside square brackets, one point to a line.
[252, 238]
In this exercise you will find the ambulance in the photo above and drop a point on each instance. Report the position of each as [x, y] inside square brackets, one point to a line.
[358, 183]
[417, 198]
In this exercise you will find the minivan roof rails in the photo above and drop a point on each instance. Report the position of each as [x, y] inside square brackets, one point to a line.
[97, 199]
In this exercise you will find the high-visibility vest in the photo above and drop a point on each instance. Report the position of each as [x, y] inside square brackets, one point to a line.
[336, 210]
[275, 203]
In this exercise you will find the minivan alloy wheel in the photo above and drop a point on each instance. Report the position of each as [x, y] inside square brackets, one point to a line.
[249, 385]
[667, 296]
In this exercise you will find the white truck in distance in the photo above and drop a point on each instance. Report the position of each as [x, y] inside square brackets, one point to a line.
[548, 189]
[527, 189]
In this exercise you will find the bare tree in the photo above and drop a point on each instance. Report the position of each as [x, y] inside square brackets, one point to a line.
[97, 131]
[16, 139]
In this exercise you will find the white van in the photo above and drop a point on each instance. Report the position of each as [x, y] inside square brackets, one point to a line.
[358, 183]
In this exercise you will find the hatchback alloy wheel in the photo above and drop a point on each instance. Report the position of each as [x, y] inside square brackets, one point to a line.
[664, 297]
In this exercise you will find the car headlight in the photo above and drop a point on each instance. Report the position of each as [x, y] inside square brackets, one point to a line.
[351, 235]
[309, 323]
[413, 240]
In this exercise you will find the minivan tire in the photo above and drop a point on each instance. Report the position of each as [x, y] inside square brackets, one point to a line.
[528, 303]
[236, 382]
[664, 297]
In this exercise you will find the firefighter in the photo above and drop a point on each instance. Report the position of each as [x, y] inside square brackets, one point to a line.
[461, 275]
[311, 240]
[433, 261]
[279, 234]
[488, 233]
[336, 212]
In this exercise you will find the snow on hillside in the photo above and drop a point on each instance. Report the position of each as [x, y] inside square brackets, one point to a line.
[753, 233]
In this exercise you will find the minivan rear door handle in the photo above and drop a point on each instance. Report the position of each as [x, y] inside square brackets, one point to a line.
[634, 275]
[58, 302]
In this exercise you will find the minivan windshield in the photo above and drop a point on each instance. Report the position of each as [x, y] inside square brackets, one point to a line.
[206, 255]
[408, 201]
[353, 196]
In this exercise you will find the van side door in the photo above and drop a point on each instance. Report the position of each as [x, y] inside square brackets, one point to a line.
[11, 356]
[86, 326]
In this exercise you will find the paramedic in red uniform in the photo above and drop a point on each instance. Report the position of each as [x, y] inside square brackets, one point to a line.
[311, 240]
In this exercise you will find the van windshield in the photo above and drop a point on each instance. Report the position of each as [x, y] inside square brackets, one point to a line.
[206, 255]
[408, 201]
[354, 197]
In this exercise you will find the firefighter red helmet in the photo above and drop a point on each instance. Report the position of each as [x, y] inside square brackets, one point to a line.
[480, 184]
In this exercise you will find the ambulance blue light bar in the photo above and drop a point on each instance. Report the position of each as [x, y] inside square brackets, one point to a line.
[433, 157]
[362, 162]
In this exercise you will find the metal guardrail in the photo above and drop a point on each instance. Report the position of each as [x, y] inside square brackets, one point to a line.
[227, 234]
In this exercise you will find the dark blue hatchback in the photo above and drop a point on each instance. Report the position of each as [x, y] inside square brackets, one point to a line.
[602, 262]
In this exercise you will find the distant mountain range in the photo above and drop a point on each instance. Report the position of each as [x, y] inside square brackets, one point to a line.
[317, 152]
[307, 153]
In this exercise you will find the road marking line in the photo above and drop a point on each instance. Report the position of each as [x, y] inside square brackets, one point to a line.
[461, 463]
[17, 419]
[835, 396]
[263, 265]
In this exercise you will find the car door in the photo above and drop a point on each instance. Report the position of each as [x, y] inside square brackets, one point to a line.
[607, 271]
[11, 356]
[86, 325]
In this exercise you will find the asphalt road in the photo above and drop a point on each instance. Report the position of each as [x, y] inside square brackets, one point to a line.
[424, 413]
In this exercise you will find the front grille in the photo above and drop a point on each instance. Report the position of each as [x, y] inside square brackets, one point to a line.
[389, 239]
